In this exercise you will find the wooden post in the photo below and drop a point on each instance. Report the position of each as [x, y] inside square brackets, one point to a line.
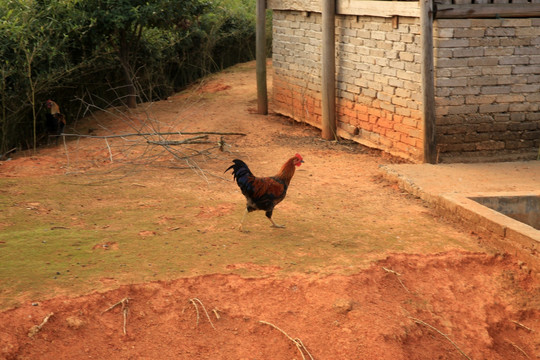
[428, 83]
[328, 70]
[260, 54]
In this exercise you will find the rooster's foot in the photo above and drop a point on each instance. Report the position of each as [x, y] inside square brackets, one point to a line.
[241, 229]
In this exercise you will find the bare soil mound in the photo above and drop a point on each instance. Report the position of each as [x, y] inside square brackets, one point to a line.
[445, 306]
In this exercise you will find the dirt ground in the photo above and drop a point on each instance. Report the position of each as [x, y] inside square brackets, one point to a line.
[373, 273]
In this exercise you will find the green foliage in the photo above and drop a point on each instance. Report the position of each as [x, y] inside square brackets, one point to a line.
[104, 51]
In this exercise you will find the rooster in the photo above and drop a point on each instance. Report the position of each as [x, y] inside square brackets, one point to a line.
[264, 193]
[56, 121]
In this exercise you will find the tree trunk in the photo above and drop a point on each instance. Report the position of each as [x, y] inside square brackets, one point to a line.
[131, 97]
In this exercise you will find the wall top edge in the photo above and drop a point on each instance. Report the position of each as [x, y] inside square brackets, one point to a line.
[383, 8]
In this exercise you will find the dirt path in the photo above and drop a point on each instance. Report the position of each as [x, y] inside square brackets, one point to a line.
[362, 271]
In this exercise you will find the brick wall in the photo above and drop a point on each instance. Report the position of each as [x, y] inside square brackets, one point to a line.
[487, 79]
[487, 82]
[377, 72]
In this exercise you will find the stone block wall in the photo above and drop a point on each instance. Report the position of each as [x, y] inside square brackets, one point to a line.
[377, 71]
[487, 79]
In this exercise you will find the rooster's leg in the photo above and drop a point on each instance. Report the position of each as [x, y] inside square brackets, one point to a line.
[242, 222]
[269, 216]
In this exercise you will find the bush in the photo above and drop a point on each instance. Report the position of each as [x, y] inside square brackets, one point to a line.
[93, 51]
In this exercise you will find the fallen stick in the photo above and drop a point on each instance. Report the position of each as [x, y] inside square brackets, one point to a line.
[418, 321]
[37, 328]
[7, 152]
[152, 134]
[397, 275]
[519, 349]
[197, 309]
[300, 346]
[178, 142]
[523, 326]
[124, 302]
[110, 151]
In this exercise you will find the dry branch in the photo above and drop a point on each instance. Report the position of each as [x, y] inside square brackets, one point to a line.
[397, 276]
[7, 152]
[418, 321]
[124, 302]
[194, 302]
[109, 148]
[149, 140]
[37, 328]
[180, 142]
[152, 134]
[523, 326]
[519, 349]
[297, 342]
[222, 145]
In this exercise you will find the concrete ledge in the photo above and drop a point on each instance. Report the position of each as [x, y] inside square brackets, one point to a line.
[510, 235]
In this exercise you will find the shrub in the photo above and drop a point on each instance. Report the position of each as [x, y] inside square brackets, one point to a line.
[109, 52]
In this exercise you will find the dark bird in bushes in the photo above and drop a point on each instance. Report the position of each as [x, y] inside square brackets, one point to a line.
[264, 193]
[55, 120]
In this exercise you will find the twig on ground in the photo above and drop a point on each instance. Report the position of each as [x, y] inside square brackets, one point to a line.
[418, 321]
[109, 148]
[36, 328]
[124, 302]
[297, 342]
[519, 349]
[196, 309]
[66, 150]
[179, 142]
[523, 326]
[397, 276]
[223, 145]
[304, 347]
[7, 152]
[154, 134]
[194, 302]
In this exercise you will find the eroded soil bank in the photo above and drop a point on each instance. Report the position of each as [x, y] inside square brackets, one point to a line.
[486, 306]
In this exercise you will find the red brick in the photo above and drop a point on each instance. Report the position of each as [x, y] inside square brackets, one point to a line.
[394, 135]
[362, 109]
[385, 123]
[350, 112]
[401, 146]
[408, 140]
[398, 119]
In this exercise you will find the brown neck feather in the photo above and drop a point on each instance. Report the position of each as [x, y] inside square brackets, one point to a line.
[287, 171]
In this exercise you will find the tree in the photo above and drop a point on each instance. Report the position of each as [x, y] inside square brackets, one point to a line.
[120, 24]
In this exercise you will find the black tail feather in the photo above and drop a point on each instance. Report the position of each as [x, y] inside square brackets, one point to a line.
[240, 172]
